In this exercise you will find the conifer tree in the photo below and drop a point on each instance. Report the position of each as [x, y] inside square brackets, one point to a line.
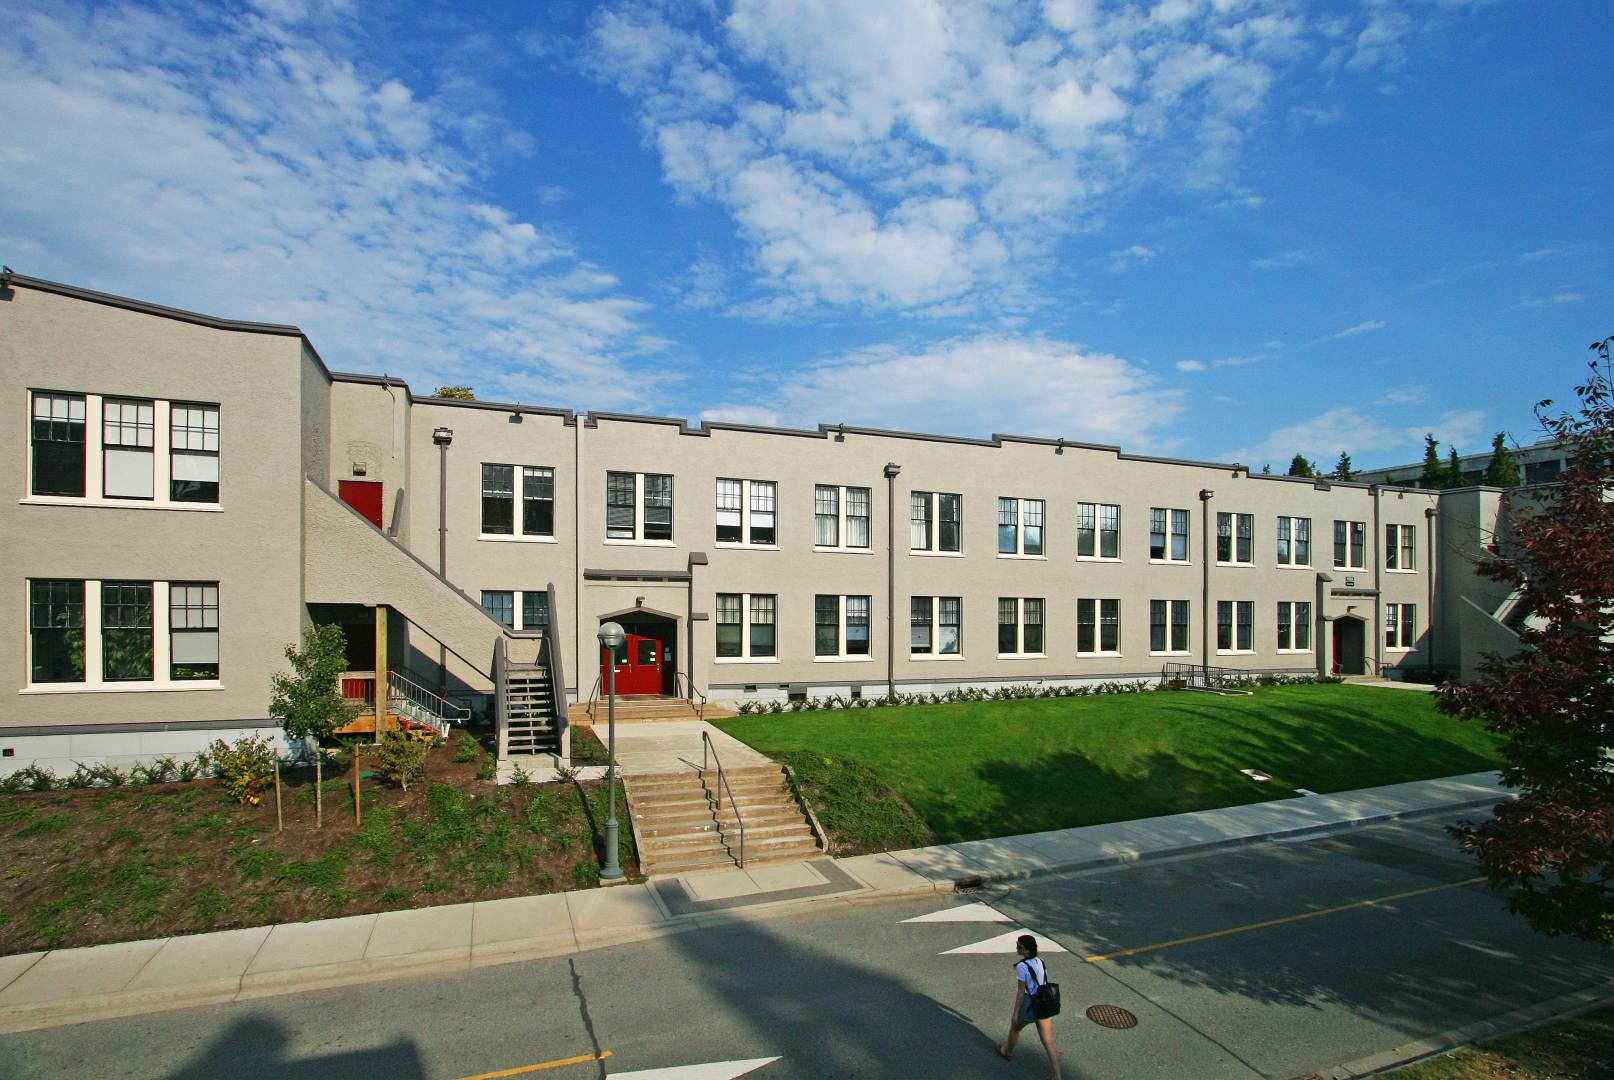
[1454, 471]
[1432, 475]
[1343, 469]
[1501, 472]
[1300, 466]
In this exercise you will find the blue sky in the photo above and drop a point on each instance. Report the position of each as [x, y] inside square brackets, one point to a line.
[1222, 229]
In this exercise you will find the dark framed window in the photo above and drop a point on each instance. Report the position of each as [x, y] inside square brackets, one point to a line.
[193, 630]
[1294, 541]
[1109, 531]
[1086, 626]
[1086, 530]
[1234, 537]
[128, 440]
[498, 500]
[619, 493]
[729, 503]
[1109, 625]
[1032, 533]
[1303, 624]
[857, 625]
[1179, 535]
[658, 506]
[57, 435]
[1179, 625]
[1008, 625]
[826, 515]
[857, 517]
[537, 501]
[949, 624]
[949, 519]
[126, 631]
[535, 610]
[501, 604]
[826, 625]
[1157, 625]
[1294, 625]
[1157, 532]
[1224, 624]
[1008, 526]
[764, 610]
[730, 623]
[1031, 617]
[919, 625]
[1168, 625]
[193, 453]
[764, 496]
[919, 520]
[56, 630]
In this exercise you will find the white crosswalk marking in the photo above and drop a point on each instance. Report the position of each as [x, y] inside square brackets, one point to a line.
[716, 1070]
[1004, 944]
[963, 913]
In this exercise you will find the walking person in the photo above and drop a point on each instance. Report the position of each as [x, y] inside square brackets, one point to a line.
[1030, 976]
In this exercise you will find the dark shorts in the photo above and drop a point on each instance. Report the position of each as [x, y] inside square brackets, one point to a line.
[1025, 1016]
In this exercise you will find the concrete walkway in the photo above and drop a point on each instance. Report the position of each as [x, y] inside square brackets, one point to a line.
[70, 985]
[675, 746]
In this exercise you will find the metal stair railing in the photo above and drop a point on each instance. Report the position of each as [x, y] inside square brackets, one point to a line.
[421, 706]
[722, 780]
[593, 697]
[692, 693]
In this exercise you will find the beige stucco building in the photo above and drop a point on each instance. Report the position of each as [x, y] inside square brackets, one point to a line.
[192, 491]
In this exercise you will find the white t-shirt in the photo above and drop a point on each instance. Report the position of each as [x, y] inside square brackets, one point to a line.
[1031, 977]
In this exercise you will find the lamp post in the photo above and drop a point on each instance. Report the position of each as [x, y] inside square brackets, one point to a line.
[442, 436]
[611, 638]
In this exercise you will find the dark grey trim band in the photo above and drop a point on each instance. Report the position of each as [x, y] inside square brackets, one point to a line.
[117, 729]
[636, 575]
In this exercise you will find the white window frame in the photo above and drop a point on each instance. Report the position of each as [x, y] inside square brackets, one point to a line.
[841, 519]
[1234, 520]
[1292, 609]
[1355, 553]
[935, 652]
[1406, 540]
[1020, 628]
[518, 597]
[95, 456]
[638, 539]
[746, 489]
[933, 502]
[840, 655]
[1241, 620]
[1098, 648]
[1187, 645]
[1405, 619]
[161, 644]
[518, 509]
[1098, 509]
[1171, 519]
[1020, 510]
[745, 656]
[1293, 562]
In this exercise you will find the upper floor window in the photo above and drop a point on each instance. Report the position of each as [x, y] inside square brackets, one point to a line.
[638, 506]
[841, 517]
[58, 444]
[1168, 626]
[128, 439]
[498, 500]
[537, 501]
[503, 604]
[1235, 543]
[1098, 530]
[745, 512]
[193, 453]
[1294, 626]
[746, 626]
[1350, 545]
[1294, 541]
[139, 450]
[1400, 547]
[841, 626]
[1400, 625]
[1020, 526]
[1020, 625]
[1168, 534]
[934, 521]
[1235, 625]
[935, 625]
[1098, 627]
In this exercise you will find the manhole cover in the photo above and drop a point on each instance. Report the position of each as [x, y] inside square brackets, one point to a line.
[1111, 1016]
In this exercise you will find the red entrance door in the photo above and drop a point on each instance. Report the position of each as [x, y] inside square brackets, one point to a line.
[364, 496]
[639, 667]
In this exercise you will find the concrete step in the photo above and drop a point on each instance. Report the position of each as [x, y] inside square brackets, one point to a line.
[683, 864]
[782, 854]
[682, 843]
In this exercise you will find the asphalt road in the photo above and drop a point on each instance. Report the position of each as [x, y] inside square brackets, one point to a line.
[1289, 973]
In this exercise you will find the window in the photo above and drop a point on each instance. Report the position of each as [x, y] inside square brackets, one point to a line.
[746, 624]
[658, 506]
[921, 623]
[934, 521]
[193, 630]
[535, 610]
[857, 517]
[501, 604]
[1235, 625]
[745, 512]
[1020, 527]
[498, 500]
[126, 631]
[1008, 526]
[638, 506]
[762, 625]
[826, 516]
[537, 501]
[1350, 545]
[1294, 541]
[1020, 625]
[730, 624]
[1400, 547]
[619, 501]
[1294, 626]
[128, 438]
[1235, 539]
[1168, 626]
[935, 625]
[193, 466]
[1098, 627]
[841, 626]
[56, 629]
[1400, 625]
[1098, 531]
[841, 517]
[1159, 538]
[58, 445]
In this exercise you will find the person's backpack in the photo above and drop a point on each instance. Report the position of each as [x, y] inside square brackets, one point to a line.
[1045, 998]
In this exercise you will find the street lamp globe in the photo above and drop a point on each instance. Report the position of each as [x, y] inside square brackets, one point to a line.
[612, 635]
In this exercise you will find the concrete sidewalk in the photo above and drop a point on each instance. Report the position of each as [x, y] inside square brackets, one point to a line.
[70, 985]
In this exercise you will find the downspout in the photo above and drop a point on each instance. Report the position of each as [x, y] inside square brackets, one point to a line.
[1205, 497]
[891, 471]
[696, 558]
[1429, 568]
[577, 555]
[1375, 633]
[1322, 644]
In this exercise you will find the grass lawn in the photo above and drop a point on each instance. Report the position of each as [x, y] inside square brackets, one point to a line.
[87, 866]
[1578, 1049]
[1002, 768]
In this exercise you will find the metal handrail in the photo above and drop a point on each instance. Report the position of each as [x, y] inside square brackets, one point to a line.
[694, 692]
[593, 696]
[425, 707]
[722, 778]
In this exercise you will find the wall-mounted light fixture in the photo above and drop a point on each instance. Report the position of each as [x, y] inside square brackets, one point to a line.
[442, 436]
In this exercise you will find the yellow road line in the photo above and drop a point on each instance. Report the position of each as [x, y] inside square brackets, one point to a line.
[540, 1067]
[1279, 922]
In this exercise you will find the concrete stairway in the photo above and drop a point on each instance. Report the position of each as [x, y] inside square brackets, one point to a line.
[682, 825]
[646, 708]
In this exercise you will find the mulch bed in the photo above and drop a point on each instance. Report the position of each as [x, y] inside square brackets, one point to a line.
[89, 866]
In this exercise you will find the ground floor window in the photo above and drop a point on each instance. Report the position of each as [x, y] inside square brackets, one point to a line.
[746, 626]
[1294, 626]
[1400, 625]
[533, 604]
[1020, 624]
[935, 625]
[56, 628]
[841, 626]
[193, 630]
[106, 632]
[1098, 626]
[1235, 625]
[1168, 626]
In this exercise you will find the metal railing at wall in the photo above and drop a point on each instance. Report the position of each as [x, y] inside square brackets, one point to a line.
[722, 785]
[692, 693]
[423, 707]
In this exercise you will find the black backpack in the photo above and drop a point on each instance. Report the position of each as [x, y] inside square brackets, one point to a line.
[1045, 998]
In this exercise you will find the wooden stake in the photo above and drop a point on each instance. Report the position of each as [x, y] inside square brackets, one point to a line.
[355, 786]
[319, 791]
[280, 822]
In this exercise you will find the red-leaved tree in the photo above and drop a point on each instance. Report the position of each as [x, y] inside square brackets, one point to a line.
[1553, 700]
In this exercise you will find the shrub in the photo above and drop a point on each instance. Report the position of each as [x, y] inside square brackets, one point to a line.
[468, 749]
[81, 778]
[243, 767]
[36, 778]
[520, 777]
[109, 775]
[401, 759]
[308, 702]
[487, 768]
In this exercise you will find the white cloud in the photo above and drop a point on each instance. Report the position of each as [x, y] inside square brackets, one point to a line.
[1555, 298]
[254, 165]
[1362, 435]
[1541, 253]
[1283, 261]
[976, 386]
[1411, 395]
[743, 414]
[1128, 258]
[1192, 365]
[1224, 362]
[1359, 328]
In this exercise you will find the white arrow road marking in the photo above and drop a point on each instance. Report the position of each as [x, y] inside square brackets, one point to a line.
[717, 1070]
[963, 913]
[1005, 943]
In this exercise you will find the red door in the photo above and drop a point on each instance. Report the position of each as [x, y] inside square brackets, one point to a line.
[364, 496]
[639, 667]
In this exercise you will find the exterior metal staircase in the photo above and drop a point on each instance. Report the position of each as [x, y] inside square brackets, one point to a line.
[530, 726]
